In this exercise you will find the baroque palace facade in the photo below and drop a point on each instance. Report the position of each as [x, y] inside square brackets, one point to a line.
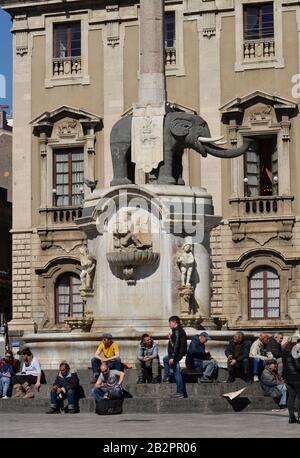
[236, 62]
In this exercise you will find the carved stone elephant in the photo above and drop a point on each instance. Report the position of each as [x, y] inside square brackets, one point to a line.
[181, 130]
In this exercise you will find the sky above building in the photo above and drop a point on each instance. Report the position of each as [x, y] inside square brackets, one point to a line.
[5, 61]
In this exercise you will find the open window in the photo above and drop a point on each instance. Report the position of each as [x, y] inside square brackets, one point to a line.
[261, 167]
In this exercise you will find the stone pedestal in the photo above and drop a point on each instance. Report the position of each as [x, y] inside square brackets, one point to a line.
[136, 231]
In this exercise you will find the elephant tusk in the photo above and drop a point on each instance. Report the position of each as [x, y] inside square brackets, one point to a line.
[221, 143]
[210, 140]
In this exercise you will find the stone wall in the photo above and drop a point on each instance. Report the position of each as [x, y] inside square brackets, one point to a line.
[22, 276]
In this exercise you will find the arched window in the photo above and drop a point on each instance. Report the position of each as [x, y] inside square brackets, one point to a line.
[264, 294]
[67, 295]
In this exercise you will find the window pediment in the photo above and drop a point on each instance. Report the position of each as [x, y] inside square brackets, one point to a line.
[258, 106]
[66, 120]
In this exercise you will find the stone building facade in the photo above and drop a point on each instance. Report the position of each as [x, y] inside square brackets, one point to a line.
[5, 219]
[237, 63]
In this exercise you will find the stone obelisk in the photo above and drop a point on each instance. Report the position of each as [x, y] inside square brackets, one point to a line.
[148, 113]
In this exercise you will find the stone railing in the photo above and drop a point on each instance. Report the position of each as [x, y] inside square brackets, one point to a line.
[260, 207]
[263, 49]
[170, 57]
[60, 215]
[67, 66]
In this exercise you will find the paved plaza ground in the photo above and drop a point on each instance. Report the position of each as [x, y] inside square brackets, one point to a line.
[268, 424]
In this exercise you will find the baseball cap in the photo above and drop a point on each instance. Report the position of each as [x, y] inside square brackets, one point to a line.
[106, 335]
[271, 361]
[204, 334]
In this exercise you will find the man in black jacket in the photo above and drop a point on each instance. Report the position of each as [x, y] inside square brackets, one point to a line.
[274, 345]
[237, 353]
[65, 386]
[177, 349]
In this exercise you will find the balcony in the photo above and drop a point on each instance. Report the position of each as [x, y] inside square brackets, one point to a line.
[58, 216]
[66, 67]
[259, 50]
[170, 57]
[261, 207]
[261, 218]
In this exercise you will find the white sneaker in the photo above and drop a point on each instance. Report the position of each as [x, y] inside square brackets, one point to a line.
[255, 378]
[5, 397]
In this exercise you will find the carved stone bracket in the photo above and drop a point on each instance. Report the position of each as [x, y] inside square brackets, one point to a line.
[209, 25]
[21, 34]
[113, 25]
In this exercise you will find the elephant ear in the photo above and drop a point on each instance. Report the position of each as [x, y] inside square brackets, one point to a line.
[180, 127]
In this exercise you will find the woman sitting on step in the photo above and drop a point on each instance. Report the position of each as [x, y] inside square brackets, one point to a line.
[30, 375]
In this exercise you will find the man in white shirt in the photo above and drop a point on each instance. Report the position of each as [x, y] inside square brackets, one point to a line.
[30, 375]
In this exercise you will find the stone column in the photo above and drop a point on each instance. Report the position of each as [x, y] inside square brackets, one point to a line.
[210, 98]
[21, 161]
[149, 112]
[113, 84]
[152, 88]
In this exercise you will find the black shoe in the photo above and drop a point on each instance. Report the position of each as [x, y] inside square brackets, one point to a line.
[156, 380]
[166, 380]
[53, 411]
[67, 410]
[140, 381]
[293, 420]
[205, 380]
[231, 380]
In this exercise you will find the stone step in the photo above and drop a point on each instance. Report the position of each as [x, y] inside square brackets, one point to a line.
[204, 404]
[131, 375]
[161, 390]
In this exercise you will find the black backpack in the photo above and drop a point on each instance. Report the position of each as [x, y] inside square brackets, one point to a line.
[109, 407]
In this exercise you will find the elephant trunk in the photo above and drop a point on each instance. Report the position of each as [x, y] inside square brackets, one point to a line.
[215, 150]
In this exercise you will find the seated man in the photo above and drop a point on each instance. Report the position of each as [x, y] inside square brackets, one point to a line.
[108, 352]
[64, 387]
[275, 347]
[272, 384]
[237, 353]
[109, 384]
[30, 375]
[259, 355]
[147, 362]
[200, 359]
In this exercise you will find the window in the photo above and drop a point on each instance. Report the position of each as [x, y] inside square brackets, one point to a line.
[67, 40]
[170, 30]
[261, 168]
[258, 21]
[170, 39]
[68, 177]
[264, 294]
[68, 299]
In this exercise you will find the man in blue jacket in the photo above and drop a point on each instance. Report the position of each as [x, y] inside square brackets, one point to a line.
[199, 359]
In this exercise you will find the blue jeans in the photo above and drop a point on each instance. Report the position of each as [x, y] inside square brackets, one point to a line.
[99, 393]
[283, 390]
[113, 364]
[57, 403]
[4, 385]
[180, 386]
[258, 366]
[207, 367]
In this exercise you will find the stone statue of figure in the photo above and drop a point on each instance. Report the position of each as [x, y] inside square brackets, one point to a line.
[88, 264]
[186, 262]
